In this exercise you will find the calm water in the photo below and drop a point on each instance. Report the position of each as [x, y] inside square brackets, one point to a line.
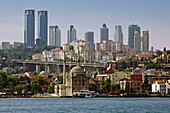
[88, 105]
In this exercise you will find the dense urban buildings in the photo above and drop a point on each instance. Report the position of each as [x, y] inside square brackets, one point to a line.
[29, 28]
[118, 36]
[131, 30]
[104, 33]
[71, 35]
[89, 37]
[54, 36]
[42, 26]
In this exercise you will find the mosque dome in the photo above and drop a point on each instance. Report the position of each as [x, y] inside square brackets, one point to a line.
[77, 69]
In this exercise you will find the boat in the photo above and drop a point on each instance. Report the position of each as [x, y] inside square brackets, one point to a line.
[84, 94]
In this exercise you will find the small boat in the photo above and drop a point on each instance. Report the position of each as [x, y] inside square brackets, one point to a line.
[84, 94]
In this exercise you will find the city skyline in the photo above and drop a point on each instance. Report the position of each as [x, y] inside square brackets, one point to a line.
[90, 19]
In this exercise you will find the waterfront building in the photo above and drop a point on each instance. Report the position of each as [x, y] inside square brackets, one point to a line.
[29, 28]
[145, 40]
[42, 26]
[118, 75]
[131, 29]
[136, 75]
[159, 87]
[162, 78]
[136, 85]
[74, 81]
[118, 36]
[89, 37]
[104, 33]
[71, 35]
[54, 36]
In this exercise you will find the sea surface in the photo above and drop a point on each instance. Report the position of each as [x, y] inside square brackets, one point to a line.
[85, 105]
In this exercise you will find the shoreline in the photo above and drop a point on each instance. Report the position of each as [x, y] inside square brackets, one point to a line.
[93, 97]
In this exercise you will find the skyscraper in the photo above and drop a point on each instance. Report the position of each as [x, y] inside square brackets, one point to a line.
[54, 36]
[131, 29]
[137, 41]
[29, 28]
[71, 35]
[42, 25]
[118, 36]
[104, 33]
[89, 36]
[145, 40]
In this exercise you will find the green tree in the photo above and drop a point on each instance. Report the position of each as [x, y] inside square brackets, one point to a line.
[117, 87]
[34, 73]
[127, 87]
[92, 87]
[3, 82]
[51, 88]
[19, 89]
[107, 86]
[131, 90]
[40, 80]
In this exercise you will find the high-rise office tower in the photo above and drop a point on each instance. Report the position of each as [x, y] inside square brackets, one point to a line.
[118, 36]
[54, 36]
[131, 29]
[137, 41]
[145, 40]
[42, 25]
[71, 35]
[89, 37]
[104, 33]
[29, 28]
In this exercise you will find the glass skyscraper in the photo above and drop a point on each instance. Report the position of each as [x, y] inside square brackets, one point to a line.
[118, 36]
[131, 29]
[89, 37]
[104, 33]
[71, 35]
[54, 36]
[42, 25]
[145, 40]
[29, 28]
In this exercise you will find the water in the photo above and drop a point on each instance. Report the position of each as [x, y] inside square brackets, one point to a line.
[87, 105]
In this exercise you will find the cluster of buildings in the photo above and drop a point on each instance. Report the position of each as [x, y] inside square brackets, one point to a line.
[8, 45]
[159, 81]
[135, 40]
[103, 52]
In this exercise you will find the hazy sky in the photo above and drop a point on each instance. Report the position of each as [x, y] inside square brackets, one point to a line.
[89, 15]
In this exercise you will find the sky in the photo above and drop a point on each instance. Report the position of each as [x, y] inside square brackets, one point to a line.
[89, 15]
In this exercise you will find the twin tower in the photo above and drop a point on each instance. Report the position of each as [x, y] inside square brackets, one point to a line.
[29, 27]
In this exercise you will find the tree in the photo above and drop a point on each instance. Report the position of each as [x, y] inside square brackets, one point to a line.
[127, 87]
[131, 90]
[117, 87]
[71, 47]
[34, 73]
[106, 86]
[116, 67]
[35, 88]
[51, 88]
[92, 87]
[40, 80]
[3, 82]
[19, 89]
[11, 83]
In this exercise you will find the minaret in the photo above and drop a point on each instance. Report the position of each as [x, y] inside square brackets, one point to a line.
[64, 69]
[78, 57]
